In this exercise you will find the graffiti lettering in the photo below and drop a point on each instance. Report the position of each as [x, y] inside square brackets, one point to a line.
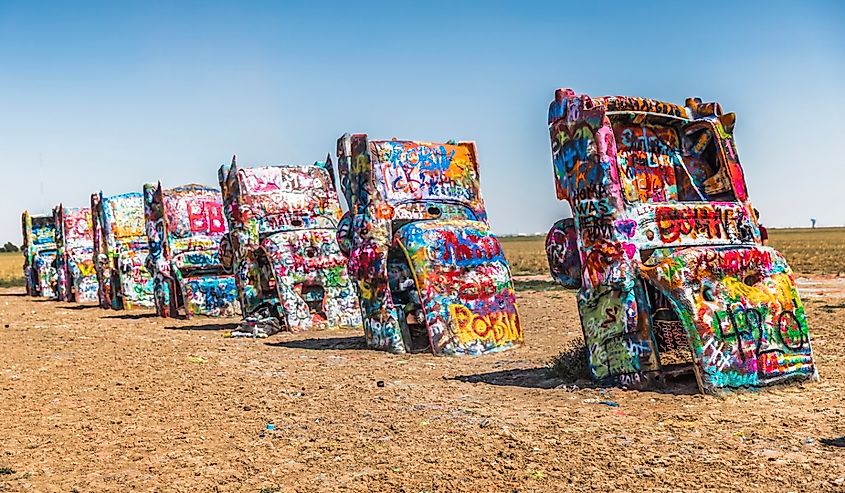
[750, 322]
[469, 249]
[494, 327]
[206, 217]
[714, 223]
[421, 156]
[594, 207]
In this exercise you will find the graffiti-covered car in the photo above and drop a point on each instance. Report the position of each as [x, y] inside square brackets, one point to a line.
[431, 274]
[287, 261]
[562, 253]
[77, 277]
[674, 277]
[120, 251]
[184, 228]
[39, 254]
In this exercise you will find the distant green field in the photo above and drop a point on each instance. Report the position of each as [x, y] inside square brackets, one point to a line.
[809, 251]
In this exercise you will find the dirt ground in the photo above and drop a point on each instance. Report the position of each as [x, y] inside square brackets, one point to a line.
[93, 400]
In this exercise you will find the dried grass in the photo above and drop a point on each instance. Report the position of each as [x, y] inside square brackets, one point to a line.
[571, 364]
[11, 269]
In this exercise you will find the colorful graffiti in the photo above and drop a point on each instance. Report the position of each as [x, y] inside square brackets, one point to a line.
[669, 249]
[431, 275]
[120, 249]
[101, 262]
[77, 277]
[749, 327]
[286, 257]
[563, 254]
[39, 249]
[184, 228]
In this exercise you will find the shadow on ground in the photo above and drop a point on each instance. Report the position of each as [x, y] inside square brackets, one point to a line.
[12, 294]
[834, 442]
[541, 378]
[532, 378]
[78, 307]
[538, 285]
[131, 316]
[211, 326]
[323, 344]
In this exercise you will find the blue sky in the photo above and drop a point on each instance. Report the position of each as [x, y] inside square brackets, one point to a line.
[114, 94]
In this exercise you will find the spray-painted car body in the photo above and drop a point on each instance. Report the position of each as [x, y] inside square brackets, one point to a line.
[562, 253]
[672, 262]
[184, 227]
[120, 251]
[77, 277]
[287, 261]
[39, 251]
[430, 272]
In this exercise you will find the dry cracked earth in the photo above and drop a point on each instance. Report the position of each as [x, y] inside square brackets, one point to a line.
[94, 400]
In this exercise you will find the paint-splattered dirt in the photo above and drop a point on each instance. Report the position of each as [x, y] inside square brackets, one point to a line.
[105, 401]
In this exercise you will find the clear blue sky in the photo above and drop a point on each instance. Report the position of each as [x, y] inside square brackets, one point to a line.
[114, 94]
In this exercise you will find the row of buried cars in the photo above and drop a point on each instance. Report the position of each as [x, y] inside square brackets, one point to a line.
[663, 246]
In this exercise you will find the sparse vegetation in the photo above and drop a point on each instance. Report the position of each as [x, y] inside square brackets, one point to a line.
[5, 471]
[571, 364]
[812, 251]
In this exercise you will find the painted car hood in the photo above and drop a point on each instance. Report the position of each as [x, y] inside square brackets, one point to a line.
[741, 312]
[136, 281]
[312, 257]
[464, 284]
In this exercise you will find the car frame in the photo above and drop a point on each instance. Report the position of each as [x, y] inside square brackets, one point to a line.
[77, 276]
[674, 276]
[185, 226]
[120, 251]
[431, 274]
[40, 252]
[285, 254]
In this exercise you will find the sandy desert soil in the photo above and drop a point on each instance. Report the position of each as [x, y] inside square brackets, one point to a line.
[92, 400]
